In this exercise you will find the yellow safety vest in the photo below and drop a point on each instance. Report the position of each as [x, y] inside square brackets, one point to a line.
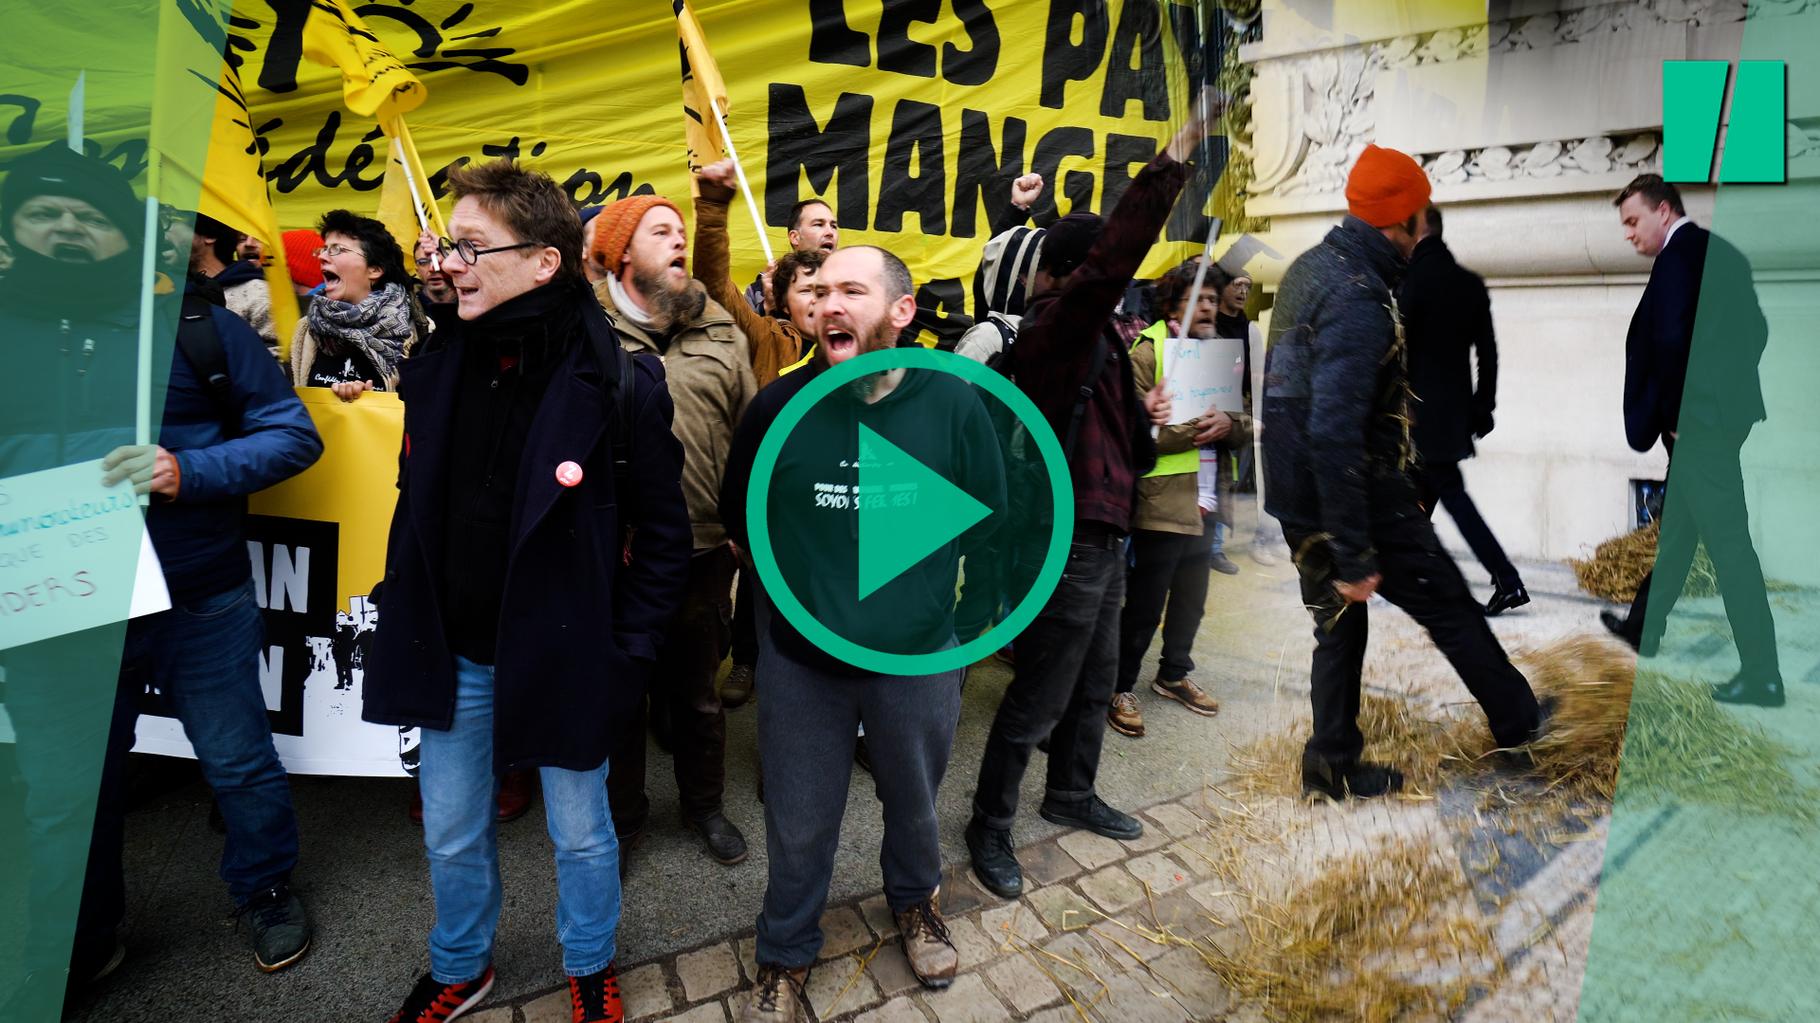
[1181, 461]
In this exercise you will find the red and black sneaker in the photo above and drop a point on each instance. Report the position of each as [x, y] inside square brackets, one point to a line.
[432, 1001]
[596, 997]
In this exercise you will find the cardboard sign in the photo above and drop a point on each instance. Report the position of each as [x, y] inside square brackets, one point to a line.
[1198, 373]
[73, 555]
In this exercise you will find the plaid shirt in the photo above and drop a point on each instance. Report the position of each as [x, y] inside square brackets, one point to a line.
[1055, 351]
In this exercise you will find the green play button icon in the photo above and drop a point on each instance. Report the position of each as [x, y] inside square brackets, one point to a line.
[877, 549]
[895, 534]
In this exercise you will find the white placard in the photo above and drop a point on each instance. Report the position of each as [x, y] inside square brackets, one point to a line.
[1198, 373]
[65, 562]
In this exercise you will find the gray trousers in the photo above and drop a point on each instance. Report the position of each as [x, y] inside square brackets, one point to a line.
[807, 720]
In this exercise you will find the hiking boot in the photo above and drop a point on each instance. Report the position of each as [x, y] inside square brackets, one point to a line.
[927, 944]
[1092, 814]
[595, 997]
[1124, 715]
[737, 689]
[994, 862]
[1359, 779]
[723, 841]
[1752, 692]
[280, 928]
[432, 1001]
[1222, 564]
[777, 996]
[1186, 693]
[1504, 598]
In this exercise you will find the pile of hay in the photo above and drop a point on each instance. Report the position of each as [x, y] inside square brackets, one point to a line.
[1395, 733]
[1618, 566]
[1667, 736]
[1387, 934]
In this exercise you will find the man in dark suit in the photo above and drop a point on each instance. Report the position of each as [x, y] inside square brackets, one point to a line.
[1691, 379]
[1447, 322]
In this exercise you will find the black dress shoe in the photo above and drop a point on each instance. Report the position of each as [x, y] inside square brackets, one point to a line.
[1619, 627]
[1358, 780]
[1503, 599]
[994, 862]
[1092, 814]
[1751, 692]
[723, 840]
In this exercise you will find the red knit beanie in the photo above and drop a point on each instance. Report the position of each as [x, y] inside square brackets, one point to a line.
[617, 222]
[300, 257]
[1386, 187]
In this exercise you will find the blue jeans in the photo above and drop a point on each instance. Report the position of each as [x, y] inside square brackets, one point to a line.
[456, 776]
[204, 655]
[75, 706]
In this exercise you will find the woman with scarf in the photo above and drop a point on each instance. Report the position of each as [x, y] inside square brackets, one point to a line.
[365, 319]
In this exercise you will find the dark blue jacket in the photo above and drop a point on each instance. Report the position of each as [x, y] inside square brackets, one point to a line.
[581, 620]
[83, 372]
[1691, 357]
[1337, 451]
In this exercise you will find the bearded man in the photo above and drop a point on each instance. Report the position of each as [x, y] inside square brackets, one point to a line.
[656, 307]
[814, 702]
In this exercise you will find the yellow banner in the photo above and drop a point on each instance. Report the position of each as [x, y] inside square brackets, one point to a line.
[317, 544]
[910, 119]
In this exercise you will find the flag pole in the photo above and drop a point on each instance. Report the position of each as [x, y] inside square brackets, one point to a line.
[745, 187]
[148, 269]
[414, 173]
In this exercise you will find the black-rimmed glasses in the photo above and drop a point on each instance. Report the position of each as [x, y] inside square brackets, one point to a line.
[469, 254]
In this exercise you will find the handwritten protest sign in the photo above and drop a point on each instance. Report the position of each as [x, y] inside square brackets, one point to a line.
[73, 555]
[1198, 373]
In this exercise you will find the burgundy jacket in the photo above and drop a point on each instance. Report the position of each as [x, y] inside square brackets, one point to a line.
[1055, 351]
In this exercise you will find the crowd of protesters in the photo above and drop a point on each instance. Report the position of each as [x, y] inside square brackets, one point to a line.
[568, 564]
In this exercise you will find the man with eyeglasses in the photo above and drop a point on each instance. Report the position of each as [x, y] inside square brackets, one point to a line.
[537, 553]
[657, 308]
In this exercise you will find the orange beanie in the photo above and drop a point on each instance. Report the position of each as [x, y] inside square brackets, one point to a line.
[617, 222]
[1385, 187]
[300, 257]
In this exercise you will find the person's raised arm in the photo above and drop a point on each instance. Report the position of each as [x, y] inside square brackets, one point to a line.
[772, 344]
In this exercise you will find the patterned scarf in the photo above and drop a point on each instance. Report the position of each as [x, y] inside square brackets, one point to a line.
[377, 327]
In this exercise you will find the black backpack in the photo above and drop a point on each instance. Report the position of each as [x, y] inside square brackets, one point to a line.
[200, 343]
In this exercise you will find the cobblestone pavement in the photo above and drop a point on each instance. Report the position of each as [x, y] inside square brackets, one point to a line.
[1104, 932]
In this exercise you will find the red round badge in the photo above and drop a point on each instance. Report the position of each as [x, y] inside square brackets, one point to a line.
[568, 474]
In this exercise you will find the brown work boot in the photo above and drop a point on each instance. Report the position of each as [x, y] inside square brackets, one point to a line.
[1124, 715]
[777, 996]
[927, 944]
[1186, 693]
[737, 689]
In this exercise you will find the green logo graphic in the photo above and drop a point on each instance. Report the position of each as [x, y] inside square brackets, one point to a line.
[890, 537]
[894, 537]
[1756, 140]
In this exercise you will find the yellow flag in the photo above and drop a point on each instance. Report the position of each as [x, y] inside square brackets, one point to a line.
[374, 83]
[400, 208]
[703, 91]
[229, 182]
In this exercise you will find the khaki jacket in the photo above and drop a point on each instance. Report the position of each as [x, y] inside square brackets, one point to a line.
[709, 371]
[1171, 504]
